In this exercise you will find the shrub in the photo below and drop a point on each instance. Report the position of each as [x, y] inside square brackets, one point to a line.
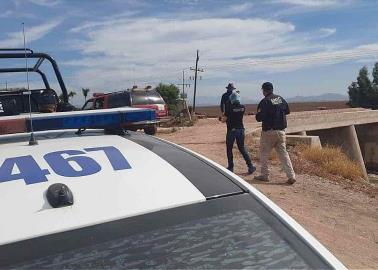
[332, 160]
[169, 93]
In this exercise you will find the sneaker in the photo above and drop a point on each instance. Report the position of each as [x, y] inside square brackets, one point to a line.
[291, 181]
[230, 169]
[251, 169]
[261, 178]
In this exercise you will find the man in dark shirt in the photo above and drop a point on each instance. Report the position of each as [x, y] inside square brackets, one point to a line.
[272, 111]
[225, 100]
[235, 131]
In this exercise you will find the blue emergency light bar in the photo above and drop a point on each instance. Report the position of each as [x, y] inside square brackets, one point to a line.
[102, 119]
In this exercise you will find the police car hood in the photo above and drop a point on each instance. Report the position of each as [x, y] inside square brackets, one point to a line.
[128, 180]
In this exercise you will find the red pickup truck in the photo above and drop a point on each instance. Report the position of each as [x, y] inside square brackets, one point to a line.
[134, 97]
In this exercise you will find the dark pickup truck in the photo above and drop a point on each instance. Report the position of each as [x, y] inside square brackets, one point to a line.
[16, 101]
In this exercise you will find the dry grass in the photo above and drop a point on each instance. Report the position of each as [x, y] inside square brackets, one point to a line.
[324, 162]
[332, 160]
[252, 142]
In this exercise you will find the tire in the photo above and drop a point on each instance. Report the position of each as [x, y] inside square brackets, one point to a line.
[150, 130]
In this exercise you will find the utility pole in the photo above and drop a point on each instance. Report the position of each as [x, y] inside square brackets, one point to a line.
[183, 84]
[195, 83]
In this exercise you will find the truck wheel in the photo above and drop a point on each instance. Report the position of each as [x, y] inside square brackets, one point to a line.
[150, 130]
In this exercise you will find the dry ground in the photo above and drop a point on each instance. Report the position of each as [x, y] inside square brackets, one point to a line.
[343, 219]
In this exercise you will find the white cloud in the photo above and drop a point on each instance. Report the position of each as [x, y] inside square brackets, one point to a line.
[325, 32]
[312, 3]
[304, 6]
[34, 33]
[184, 2]
[46, 3]
[155, 39]
[128, 49]
[14, 14]
[6, 14]
[119, 52]
[107, 21]
[226, 11]
[241, 7]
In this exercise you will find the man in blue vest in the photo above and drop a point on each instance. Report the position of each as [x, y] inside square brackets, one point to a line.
[272, 111]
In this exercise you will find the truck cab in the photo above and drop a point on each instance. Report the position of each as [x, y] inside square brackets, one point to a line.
[146, 98]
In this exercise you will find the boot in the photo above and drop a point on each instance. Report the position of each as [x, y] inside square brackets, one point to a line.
[251, 169]
[291, 181]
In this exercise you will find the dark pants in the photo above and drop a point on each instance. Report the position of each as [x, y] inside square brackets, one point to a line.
[238, 135]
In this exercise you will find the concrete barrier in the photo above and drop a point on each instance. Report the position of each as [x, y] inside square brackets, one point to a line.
[312, 141]
[368, 139]
[318, 120]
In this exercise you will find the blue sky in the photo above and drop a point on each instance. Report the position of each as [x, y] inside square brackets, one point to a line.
[305, 47]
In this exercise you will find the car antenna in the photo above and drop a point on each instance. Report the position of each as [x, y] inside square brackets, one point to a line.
[32, 139]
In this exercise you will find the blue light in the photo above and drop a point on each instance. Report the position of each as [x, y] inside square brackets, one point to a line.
[91, 119]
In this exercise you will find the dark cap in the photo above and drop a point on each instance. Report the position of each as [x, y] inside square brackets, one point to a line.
[230, 86]
[267, 86]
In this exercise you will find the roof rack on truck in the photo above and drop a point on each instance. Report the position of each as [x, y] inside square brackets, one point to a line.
[18, 53]
[15, 101]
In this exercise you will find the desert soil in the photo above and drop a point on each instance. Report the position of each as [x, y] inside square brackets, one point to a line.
[343, 219]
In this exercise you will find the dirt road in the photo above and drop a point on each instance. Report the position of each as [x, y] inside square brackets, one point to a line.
[343, 220]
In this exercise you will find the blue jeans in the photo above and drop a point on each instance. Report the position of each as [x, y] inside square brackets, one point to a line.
[238, 135]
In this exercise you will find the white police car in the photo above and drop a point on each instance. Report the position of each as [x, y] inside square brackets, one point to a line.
[94, 201]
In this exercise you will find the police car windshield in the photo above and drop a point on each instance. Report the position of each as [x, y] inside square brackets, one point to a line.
[218, 234]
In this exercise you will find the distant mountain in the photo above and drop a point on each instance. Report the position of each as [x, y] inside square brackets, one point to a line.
[323, 97]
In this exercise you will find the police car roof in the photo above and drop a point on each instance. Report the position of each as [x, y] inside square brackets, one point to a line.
[107, 188]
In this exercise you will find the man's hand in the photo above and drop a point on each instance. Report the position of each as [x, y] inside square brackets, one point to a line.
[223, 119]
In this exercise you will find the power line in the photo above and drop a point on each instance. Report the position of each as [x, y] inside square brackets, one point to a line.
[327, 58]
[297, 59]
